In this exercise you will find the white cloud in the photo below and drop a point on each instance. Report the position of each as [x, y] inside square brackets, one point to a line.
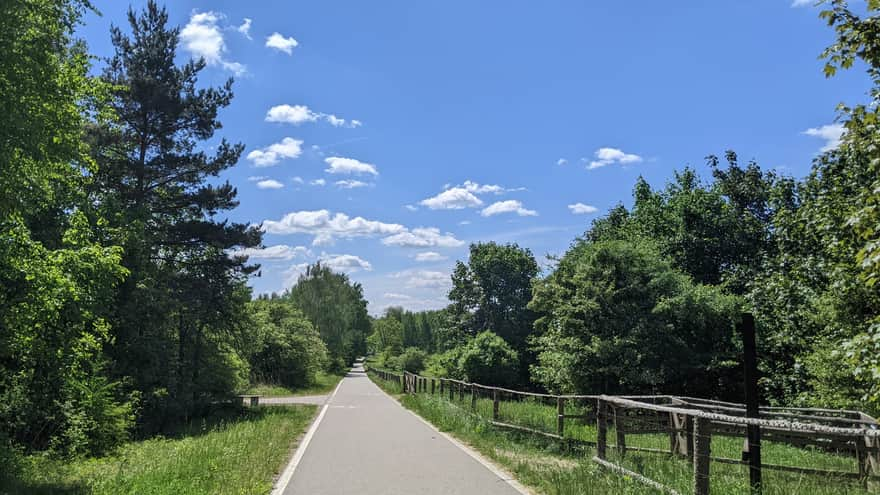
[803, 3]
[464, 222]
[422, 237]
[463, 196]
[318, 182]
[350, 184]
[394, 295]
[346, 263]
[266, 157]
[831, 133]
[203, 38]
[269, 184]
[279, 42]
[326, 227]
[411, 207]
[455, 198]
[279, 252]
[582, 209]
[255, 178]
[298, 180]
[340, 165]
[423, 279]
[561, 161]
[509, 206]
[298, 114]
[430, 256]
[245, 28]
[610, 156]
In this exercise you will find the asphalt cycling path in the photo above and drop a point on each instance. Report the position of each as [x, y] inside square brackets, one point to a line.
[365, 443]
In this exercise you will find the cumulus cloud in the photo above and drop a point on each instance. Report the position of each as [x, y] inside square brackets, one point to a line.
[610, 156]
[298, 180]
[831, 133]
[422, 237]
[346, 263]
[350, 184]
[582, 209]
[280, 252]
[561, 161]
[455, 198]
[203, 38]
[245, 28]
[298, 114]
[326, 227]
[463, 196]
[318, 182]
[509, 206]
[423, 279]
[395, 295]
[430, 256]
[803, 3]
[255, 178]
[340, 165]
[269, 184]
[411, 207]
[270, 155]
[279, 42]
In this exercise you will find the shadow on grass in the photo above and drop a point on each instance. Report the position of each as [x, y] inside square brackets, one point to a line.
[23, 487]
[217, 417]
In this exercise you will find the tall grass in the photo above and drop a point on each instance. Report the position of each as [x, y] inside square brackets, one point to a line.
[236, 454]
[554, 468]
[325, 382]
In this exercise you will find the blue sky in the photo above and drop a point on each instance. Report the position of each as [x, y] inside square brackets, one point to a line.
[384, 137]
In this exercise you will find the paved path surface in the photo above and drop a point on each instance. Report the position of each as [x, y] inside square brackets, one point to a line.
[300, 399]
[368, 444]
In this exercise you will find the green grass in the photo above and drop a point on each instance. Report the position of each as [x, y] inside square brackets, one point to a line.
[549, 468]
[325, 382]
[237, 453]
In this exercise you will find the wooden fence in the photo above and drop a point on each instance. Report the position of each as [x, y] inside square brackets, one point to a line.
[690, 424]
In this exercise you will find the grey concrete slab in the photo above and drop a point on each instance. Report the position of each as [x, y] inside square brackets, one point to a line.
[368, 444]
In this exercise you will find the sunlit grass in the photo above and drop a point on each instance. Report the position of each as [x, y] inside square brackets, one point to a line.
[239, 454]
[551, 468]
[324, 384]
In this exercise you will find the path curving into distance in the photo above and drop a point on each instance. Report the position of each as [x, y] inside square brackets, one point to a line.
[365, 443]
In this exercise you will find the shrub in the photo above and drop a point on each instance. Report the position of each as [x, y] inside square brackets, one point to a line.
[489, 360]
[413, 360]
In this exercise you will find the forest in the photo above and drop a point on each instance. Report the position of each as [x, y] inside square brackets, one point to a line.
[124, 300]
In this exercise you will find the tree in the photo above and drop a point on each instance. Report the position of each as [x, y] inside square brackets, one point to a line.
[337, 308]
[616, 317]
[492, 291]
[56, 277]
[184, 295]
[387, 336]
[487, 359]
[288, 350]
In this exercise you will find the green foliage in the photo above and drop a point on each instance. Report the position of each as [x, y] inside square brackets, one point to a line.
[617, 318]
[489, 360]
[412, 360]
[492, 291]
[337, 308]
[387, 336]
[287, 350]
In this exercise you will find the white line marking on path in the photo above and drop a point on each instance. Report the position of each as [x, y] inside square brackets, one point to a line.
[497, 471]
[287, 474]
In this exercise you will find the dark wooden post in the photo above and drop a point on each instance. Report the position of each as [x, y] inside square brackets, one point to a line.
[432, 386]
[560, 416]
[473, 397]
[451, 391]
[461, 392]
[495, 404]
[750, 373]
[702, 451]
[601, 428]
[620, 429]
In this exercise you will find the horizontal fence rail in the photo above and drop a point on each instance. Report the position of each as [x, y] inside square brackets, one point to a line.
[688, 423]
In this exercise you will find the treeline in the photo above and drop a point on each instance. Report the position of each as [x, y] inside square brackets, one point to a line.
[646, 301]
[124, 308]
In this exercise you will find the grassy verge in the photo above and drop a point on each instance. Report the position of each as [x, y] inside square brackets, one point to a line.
[239, 452]
[549, 468]
[325, 382]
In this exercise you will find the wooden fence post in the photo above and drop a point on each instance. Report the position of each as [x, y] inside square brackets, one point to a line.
[620, 429]
[601, 428]
[750, 375]
[702, 451]
[495, 404]
[461, 392]
[432, 386]
[473, 397]
[451, 392]
[560, 416]
[442, 382]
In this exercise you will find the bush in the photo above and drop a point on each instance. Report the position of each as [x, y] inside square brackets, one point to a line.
[487, 359]
[412, 360]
